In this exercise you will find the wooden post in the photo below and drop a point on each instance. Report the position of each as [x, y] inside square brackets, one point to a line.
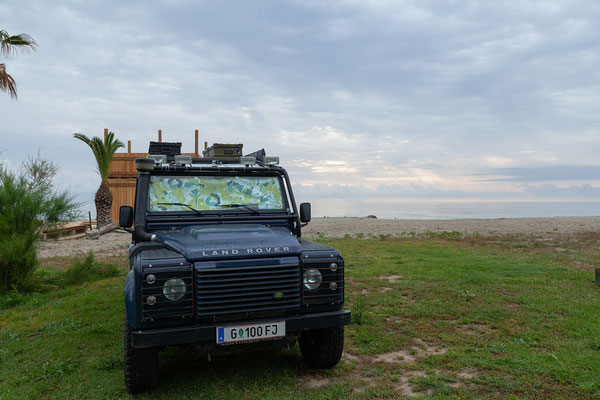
[598, 276]
[129, 146]
[160, 135]
[196, 144]
[105, 133]
[90, 215]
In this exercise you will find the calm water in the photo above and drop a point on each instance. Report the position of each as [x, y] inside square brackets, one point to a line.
[452, 210]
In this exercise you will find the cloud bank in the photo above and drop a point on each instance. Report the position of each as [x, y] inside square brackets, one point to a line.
[365, 99]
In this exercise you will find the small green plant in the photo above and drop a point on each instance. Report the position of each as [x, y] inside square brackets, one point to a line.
[88, 269]
[443, 235]
[109, 363]
[359, 308]
[468, 294]
[29, 203]
[520, 245]
[360, 235]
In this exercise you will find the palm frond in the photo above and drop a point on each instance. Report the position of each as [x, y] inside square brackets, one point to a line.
[12, 45]
[103, 151]
[7, 83]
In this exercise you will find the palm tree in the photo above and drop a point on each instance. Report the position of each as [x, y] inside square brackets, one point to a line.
[10, 46]
[103, 152]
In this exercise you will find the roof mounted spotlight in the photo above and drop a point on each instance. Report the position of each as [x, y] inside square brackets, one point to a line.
[158, 158]
[248, 160]
[144, 164]
[271, 160]
[181, 159]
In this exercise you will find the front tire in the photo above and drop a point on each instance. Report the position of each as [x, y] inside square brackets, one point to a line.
[322, 348]
[140, 365]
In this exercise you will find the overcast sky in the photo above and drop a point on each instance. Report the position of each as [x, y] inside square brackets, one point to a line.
[399, 99]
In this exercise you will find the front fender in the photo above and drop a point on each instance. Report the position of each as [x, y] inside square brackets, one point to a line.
[129, 292]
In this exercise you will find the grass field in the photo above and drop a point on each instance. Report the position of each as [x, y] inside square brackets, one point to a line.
[438, 317]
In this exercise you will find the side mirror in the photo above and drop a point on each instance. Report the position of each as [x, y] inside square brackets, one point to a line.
[126, 216]
[305, 212]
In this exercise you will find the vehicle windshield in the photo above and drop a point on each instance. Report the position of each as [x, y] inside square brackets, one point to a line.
[245, 193]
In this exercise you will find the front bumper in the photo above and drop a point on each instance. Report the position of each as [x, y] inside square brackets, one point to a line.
[208, 333]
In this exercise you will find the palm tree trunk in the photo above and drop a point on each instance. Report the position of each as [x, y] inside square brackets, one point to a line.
[103, 202]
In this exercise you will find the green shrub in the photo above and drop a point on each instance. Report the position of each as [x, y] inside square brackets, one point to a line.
[86, 270]
[359, 310]
[29, 203]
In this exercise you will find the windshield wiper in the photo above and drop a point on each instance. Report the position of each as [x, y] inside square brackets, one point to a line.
[236, 205]
[183, 205]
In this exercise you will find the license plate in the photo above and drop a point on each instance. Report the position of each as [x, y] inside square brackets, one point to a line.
[246, 333]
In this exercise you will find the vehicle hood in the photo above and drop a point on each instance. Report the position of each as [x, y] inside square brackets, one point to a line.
[209, 242]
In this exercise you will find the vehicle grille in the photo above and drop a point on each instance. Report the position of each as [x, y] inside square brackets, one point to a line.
[239, 291]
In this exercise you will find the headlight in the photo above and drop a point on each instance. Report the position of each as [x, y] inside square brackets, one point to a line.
[174, 289]
[312, 278]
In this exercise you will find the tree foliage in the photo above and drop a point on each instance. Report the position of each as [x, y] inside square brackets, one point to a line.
[103, 151]
[11, 45]
[29, 204]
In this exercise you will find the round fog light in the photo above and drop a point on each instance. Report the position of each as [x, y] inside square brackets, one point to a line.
[150, 279]
[312, 279]
[174, 289]
[333, 267]
[151, 300]
[333, 286]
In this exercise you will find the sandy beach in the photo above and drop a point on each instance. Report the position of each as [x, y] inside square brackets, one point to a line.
[116, 243]
[338, 227]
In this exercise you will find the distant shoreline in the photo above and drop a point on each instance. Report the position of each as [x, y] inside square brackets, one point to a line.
[453, 210]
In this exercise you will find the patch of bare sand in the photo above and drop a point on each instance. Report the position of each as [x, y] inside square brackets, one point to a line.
[312, 381]
[112, 244]
[350, 358]
[407, 389]
[474, 329]
[410, 355]
[390, 278]
[402, 356]
[468, 374]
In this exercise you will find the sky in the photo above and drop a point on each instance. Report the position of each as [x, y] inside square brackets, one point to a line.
[361, 99]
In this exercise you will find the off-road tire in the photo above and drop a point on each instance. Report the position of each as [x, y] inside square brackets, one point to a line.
[322, 348]
[140, 365]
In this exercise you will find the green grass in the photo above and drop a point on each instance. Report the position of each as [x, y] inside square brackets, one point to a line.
[473, 318]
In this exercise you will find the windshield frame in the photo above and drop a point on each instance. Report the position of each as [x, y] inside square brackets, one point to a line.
[227, 211]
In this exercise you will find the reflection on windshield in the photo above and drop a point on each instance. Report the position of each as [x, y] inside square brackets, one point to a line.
[214, 192]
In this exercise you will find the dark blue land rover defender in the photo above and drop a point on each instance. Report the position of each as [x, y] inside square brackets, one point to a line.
[217, 259]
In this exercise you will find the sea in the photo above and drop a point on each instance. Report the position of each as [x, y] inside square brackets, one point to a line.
[391, 209]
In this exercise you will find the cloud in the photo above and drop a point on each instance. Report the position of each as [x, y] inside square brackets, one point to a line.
[418, 99]
[420, 192]
[550, 173]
